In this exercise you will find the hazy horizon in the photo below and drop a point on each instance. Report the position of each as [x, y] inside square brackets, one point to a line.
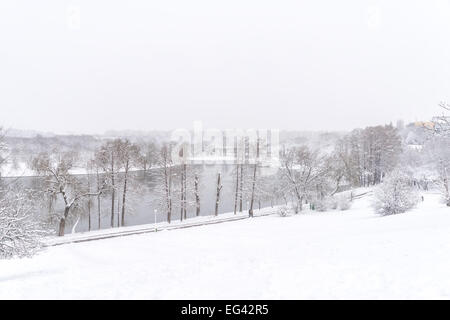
[86, 67]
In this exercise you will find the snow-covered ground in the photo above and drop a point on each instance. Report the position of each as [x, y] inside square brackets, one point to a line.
[352, 254]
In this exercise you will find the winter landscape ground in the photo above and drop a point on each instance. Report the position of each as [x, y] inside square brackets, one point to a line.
[352, 254]
[236, 150]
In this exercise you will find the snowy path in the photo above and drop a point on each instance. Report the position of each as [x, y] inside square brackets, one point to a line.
[160, 226]
[352, 254]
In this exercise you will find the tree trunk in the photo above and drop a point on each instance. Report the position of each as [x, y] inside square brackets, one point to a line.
[197, 196]
[182, 194]
[62, 222]
[219, 187]
[250, 211]
[99, 212]
[89, 203]
[113, 203]
[167, 187]
[185, 192]
[62, 226]
[118, 210]
[241, 187]
[124, 194]
[447, 191]
[237, 189]
[98, 201]
[89, 214]
[75, 224]
[170, 192]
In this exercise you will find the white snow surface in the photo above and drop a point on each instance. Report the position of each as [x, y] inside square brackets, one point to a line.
[352, 254]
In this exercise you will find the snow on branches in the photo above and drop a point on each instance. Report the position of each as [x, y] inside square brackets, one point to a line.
[395, 195]
[20, 231]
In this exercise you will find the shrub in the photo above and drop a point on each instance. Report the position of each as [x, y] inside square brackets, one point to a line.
[343, 202]
[395, 195]
[20, 231]
[327, 203]
[283, 211]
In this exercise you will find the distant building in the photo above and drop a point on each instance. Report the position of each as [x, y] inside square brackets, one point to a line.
[425, 124]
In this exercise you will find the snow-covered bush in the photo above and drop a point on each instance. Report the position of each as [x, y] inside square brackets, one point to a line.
[395, 195]
[327, 203]
[20, 232]
[283, 211]
[445, 196]
[344, 202]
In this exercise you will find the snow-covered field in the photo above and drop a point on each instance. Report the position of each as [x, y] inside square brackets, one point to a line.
[352, 254]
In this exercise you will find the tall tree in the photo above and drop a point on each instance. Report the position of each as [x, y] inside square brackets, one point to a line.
[89, 168]
[107, 158]
[302, 168]
[197, 195]
[218, 189]
[255, 169]
[148, 155]
[128, 156]
[56, 168]
[236, 191]
[164, 178]
[440, 150]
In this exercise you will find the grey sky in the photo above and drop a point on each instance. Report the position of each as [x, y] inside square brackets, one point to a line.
[147, 65]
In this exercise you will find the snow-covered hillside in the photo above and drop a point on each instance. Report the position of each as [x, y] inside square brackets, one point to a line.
[352, 254]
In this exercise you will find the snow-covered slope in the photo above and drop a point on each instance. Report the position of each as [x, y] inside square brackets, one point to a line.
[352, 254]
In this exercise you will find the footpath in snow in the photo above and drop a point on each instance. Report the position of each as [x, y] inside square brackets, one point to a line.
[160, 226]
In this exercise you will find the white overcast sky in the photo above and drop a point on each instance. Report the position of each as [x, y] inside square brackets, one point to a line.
[94, 65]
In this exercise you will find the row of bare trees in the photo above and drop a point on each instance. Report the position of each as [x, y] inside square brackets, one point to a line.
[178, 184]
[368, 154]
[108, 172]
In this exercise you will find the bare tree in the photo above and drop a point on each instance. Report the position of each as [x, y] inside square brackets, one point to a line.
[238, 173]
[218, 189]
[98, 176]
[236, 192]
[197, 195]
[107, 159]
[183, 193]
[442, 122]
[89, 168]
[128, 155]
[367, 155]
[440, 150]
[255, 169]
[188, 188]
[148, 155]
[56, 169]
[241, 185]
[164, 178]
[302, 168]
